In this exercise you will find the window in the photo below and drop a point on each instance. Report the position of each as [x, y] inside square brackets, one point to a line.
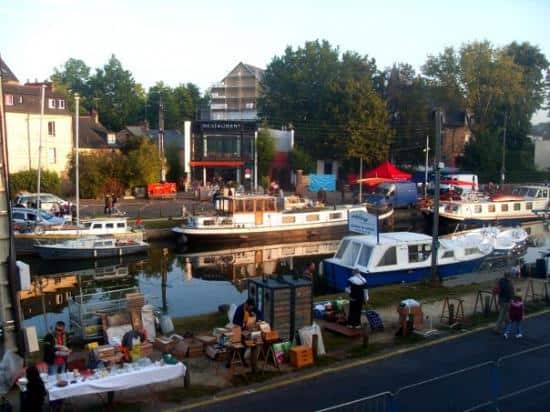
[342, 249]
[448, 254]
[31, 216]
[97, 226]
[529, 205]
[51, 128]
[20, 99]
[471, 251]
[61, 104]
[351, 254]
[491, 208]
[18, 215]
[111, 138]
[389, 258]
[312, 218]
[364, 256]
[250, 105]
[52, 159]
[51, 104]
[120, 225]
[109, 225]
[335, 215]
[208, 222]
[419, 253]
[517, 206]
[289, 219]
[8, 100]
[477, 208]
[504, 207]
[543, 193]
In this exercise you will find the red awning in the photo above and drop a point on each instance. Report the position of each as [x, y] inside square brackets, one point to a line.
[217, 163]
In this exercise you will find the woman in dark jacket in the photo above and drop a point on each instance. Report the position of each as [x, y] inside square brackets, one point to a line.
[33, 398]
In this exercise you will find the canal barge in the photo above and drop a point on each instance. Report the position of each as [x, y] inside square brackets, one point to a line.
[256, 217]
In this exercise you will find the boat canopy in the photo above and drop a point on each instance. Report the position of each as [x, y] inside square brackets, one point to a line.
[246, 204]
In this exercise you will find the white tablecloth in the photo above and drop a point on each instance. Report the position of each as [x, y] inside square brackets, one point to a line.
[145, 376]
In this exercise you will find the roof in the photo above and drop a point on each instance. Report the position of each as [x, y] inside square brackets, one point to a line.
[255, 71]
[27, 99]
[171, 137]
[392, 238]
[7, 74]
[389, 171]
[92, 135]
[136, 130]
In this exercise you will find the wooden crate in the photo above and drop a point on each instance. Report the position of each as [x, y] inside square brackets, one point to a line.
[163, 344]
[301, 356]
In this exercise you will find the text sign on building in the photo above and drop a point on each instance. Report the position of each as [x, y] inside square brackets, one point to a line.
[221, 126]
[359, 221]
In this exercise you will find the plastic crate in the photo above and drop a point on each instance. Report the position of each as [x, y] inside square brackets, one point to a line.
[301, 356]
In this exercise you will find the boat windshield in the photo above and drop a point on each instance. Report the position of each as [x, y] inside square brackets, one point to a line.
[525, 191]
[45, 215]
[350, 254]
[365, 255]
[342, 248]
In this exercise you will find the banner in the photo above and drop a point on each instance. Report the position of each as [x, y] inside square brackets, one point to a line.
[360, 221]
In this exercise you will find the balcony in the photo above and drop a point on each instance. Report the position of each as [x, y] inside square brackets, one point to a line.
[218, 106]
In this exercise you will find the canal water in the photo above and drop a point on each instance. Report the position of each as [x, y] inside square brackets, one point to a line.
[180, 281]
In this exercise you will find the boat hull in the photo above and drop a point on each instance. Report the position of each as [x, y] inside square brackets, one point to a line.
[56, 253]
[337, 276]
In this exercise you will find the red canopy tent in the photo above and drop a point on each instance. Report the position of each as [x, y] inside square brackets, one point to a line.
[385, 172]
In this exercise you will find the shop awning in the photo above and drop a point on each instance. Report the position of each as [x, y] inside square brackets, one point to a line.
[217, 163]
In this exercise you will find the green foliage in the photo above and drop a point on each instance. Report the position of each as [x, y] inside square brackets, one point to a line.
[266, 151]
[180, 103]
[299, 159]
[142, 165]
[27, 180]
[97, 172]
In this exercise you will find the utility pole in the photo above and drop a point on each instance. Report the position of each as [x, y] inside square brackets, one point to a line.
[437, 175]
[503, 167]
[42, 98]
[77, 155]
[161, 139]
[427, 150]
[361, 180]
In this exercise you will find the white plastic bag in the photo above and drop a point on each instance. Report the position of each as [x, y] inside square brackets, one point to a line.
[306, 337]
[231, 312]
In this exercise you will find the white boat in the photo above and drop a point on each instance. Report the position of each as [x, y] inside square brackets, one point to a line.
[256, 217]
[504, 241]
[525, 203]
[400, 257]
[90, 248]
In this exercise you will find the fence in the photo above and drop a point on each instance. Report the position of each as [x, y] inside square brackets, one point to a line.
[520, 381]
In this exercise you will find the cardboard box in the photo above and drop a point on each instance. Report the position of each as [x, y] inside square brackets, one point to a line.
[181, 349]
[104, 352]
[163, 344]
[270, 336]
[235, 336]
[301, 356]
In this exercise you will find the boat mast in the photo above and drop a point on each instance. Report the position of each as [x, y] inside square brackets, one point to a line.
[77, 155]
[437, 172]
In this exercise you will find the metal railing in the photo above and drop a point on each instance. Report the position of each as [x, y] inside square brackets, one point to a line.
[496, 384]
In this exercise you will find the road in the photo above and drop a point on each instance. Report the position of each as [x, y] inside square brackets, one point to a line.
[452, 394]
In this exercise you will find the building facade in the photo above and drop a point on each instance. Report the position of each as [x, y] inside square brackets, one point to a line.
[221, 149]
[235, 97]
[22, 106]
[455, 135]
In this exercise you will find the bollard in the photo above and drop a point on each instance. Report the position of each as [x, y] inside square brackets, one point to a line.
[314, 345]
[187, 377]
[451, 313]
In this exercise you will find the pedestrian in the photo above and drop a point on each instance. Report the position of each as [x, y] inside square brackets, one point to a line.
[505, 291]
[56, 351]
[358, 295]
[309, 271]
[33, 398]
[516, 316]
[107, 209]
[114, 202]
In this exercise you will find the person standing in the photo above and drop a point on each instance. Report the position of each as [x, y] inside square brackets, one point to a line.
[56, 351]
[33, 398]
[516, 316]
[505, 291]
[107, 209]
[114, 202]
[358, 295]
[309, 271]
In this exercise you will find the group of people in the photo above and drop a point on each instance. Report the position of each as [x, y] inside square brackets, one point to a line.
[511, 308]
[111, 204]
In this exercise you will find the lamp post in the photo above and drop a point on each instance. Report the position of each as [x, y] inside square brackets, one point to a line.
[42, 97]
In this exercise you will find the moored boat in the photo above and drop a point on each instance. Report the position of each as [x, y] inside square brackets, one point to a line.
[400, 257]
[256, 217]
[90, 248]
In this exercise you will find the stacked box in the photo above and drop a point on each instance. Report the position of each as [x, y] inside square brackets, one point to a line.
[301, 356]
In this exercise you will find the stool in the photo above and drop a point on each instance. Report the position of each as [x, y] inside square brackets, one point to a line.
[235, 358]
[269, 354]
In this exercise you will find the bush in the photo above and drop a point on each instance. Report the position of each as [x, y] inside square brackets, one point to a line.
[299, 159]
[27, 181]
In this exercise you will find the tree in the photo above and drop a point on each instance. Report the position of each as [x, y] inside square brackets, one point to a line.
[142, 165]
[300, 160]
[73, 77]
[116, 95]
[175, 169]
[266, 151]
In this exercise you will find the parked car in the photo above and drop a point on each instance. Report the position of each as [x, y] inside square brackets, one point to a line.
[394, 194]
[26, 216]
[50, 203]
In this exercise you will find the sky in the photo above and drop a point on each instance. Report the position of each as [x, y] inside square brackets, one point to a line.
[201, 41]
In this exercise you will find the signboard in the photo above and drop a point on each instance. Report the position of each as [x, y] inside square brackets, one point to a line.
[359, 221]
[247, 173]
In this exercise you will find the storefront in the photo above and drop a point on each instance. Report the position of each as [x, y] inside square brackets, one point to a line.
[222, 150]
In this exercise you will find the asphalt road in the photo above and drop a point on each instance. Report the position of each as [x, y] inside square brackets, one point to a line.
[456, 393]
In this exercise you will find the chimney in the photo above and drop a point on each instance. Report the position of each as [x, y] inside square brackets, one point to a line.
[94, 115]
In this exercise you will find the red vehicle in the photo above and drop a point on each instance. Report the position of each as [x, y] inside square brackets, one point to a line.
[164, 190]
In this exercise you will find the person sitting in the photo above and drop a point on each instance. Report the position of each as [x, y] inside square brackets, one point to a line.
[247, 314]
[131, 343]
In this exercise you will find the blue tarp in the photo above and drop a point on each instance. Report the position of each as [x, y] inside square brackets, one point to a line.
[327, 182]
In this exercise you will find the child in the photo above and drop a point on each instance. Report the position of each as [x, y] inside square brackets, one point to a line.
[516, 316]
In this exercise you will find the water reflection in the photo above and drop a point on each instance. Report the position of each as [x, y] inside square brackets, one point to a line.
[181, 282]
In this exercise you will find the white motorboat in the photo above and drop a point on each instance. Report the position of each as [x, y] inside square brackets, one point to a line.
[90, 248]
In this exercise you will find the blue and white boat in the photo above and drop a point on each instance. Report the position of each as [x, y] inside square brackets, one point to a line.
[401, 257]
